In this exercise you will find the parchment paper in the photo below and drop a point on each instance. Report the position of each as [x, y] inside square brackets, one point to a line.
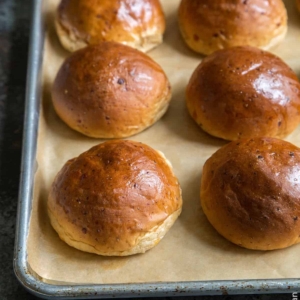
[192, 249]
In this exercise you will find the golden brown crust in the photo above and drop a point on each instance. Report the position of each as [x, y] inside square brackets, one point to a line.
[298, 4]
[250, 193]
[136, 23]
[111, 196]
[210, 25]
[244, 92]
[110, 91]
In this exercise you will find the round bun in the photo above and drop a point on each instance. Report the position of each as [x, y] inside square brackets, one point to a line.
[250, 193]
[118, 198]
[110, 91]
[139, 24]
[244, 92]
[210, 25]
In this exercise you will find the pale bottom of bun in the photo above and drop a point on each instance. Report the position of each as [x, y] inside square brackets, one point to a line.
[143, 243]
[205, 48]
[259, 246]
[225, 134]
[249, 243]
[68, 39]
[151, 118]
[144, 42]
[159, 110]
[227, 229]
[164, 157]
[276, 40]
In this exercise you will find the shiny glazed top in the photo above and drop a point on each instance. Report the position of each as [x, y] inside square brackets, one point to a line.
[114, 193]
[111, 20]
[110, 90]
[244, 92]
[210, 25]
[250, 193]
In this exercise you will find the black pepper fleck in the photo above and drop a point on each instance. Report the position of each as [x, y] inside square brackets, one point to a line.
[121, 81]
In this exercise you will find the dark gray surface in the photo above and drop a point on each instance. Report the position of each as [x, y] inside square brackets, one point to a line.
[14, 29]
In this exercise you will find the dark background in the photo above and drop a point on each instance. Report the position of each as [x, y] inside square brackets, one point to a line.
[15, 18]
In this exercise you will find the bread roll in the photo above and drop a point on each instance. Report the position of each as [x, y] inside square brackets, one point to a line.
[250, 193]
[244, 92]
[118, 198]
[139, 24]
[210, 25]
[110, 91]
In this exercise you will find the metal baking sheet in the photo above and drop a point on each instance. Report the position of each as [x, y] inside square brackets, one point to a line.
[35, 284]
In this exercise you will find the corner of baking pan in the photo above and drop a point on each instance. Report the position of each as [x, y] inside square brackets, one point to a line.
[31, 281]
[28, 161]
